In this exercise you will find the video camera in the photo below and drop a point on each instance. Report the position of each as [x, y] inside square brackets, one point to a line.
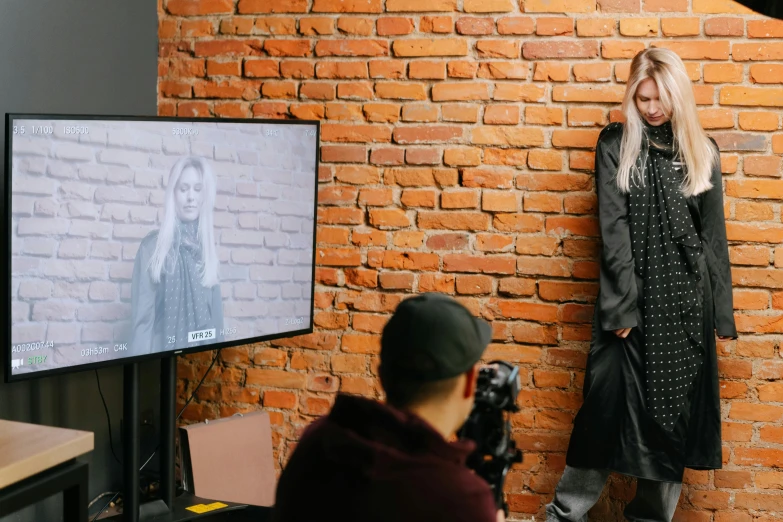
[496, 392]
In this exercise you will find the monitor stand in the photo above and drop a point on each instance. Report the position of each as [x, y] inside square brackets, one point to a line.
[170, 507]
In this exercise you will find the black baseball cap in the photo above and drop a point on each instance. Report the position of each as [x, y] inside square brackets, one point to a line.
[431, 337]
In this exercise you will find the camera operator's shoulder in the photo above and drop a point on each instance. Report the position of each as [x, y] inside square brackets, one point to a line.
[469, 496]
[475, 501]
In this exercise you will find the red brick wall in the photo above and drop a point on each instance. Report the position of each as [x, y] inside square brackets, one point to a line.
[457, 156]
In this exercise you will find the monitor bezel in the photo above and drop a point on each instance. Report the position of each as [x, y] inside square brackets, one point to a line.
[5, 198]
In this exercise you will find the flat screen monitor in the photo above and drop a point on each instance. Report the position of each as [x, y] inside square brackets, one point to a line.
[131, 238]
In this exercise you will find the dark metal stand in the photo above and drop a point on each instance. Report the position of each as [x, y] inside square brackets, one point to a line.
[178, 511]
[130, 439]
[70, 478]
[168, 426]
[170, 508]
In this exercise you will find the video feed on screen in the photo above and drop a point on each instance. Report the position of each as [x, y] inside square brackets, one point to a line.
[131, 238]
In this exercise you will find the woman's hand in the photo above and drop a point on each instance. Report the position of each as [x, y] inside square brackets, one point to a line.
[622, 333]
[722, 338]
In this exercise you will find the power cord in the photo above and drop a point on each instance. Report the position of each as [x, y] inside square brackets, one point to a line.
[108, 418]
[192, 395]
[105, 506]
[96, 499]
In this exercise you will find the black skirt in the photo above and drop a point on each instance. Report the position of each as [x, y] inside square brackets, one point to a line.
[613, 429]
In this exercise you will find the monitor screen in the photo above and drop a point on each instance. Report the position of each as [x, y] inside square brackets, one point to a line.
[141, 237]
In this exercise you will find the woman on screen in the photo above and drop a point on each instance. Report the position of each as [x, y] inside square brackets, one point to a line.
[175, 295]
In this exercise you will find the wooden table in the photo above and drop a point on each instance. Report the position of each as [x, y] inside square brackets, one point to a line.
[39, 461]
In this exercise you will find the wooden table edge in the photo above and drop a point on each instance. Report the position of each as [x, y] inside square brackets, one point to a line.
[82, 442]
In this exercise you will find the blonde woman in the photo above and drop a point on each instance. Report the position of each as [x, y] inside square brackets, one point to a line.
[175, 288]
[651, 401]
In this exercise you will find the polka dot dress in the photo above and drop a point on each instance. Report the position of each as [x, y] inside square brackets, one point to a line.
[666, 249]
[185, 299]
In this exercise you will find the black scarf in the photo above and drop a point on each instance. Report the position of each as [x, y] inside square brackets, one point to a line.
[185, 299]
[666, 249]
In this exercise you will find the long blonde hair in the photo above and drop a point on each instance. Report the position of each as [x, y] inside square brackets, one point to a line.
[677, 101]
[163, 253]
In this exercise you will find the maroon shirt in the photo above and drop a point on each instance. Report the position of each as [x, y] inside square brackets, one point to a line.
[366, 461]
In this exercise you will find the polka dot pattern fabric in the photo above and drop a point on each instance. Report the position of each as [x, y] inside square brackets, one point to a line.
[667, 248]
[185, 300]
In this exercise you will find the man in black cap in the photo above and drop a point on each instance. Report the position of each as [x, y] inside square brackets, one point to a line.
[393, 462]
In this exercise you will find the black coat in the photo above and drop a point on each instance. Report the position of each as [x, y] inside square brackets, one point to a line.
[772, 8]
[613, 429]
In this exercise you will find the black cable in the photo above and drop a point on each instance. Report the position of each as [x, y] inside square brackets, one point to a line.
[192, 395]
[96, 499]
[108, 418]
[104, 507]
